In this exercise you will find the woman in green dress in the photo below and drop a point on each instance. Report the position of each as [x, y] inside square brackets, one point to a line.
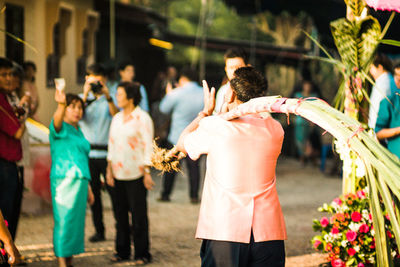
[69, 177]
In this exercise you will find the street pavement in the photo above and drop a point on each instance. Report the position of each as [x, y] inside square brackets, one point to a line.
[302, 189]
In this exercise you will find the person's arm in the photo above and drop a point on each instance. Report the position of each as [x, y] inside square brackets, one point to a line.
[58, 116]
[109, 175]
[20, 132]
[9, 246]
[387, 133]
[168, 102]
[209, 105]
[148, 135]
[111, 106]
[144, 103]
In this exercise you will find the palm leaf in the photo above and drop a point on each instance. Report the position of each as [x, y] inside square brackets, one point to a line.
[390, 42]
[383, 168]
[356, 6]
[344, 35]
[368, 38]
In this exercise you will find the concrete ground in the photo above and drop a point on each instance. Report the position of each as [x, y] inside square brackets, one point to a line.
[172, 225]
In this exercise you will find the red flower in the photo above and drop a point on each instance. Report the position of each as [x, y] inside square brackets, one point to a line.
[356, 216]
[361, 194]
[324, 222]
[372, 246]
[3, 252]
[389, 234]
[338, 201]
[351, 251]
[335, 230]
[364, 228]
[6, 223]
[317, 243]
[328, 247]
[361, 265]
[337, 263]
[351, 235]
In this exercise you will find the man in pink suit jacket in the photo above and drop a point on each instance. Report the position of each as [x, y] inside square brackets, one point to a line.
[240, 221]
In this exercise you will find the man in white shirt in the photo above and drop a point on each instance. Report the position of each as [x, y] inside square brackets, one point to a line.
[234, 59]
[383, 88]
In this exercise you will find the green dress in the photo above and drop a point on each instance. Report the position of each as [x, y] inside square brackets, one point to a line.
[69, 178]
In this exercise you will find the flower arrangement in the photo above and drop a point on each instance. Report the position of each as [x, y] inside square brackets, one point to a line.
[348, 235]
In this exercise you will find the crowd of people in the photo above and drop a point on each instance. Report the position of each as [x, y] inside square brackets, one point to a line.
[104, 136]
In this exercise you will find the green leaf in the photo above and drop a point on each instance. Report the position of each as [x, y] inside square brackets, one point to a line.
[390, 42]
[356, 6]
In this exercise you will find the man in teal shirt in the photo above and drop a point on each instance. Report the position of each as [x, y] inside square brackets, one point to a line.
[388, 122]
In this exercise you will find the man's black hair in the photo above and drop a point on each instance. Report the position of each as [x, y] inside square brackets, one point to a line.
[382, 59]
[132, 90]
[189, 73]
[96, 69]
[125, 64]
[28, 64]
[5, 63]
[237, 52]
[248, 83]
[397, 66]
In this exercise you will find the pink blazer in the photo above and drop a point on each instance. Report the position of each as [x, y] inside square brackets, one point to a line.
[239, 192]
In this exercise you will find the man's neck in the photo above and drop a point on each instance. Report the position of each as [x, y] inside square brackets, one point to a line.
[128, 110]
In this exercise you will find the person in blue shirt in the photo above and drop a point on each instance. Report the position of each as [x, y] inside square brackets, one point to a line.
[99, 98]
[183, 103]
[127, 73]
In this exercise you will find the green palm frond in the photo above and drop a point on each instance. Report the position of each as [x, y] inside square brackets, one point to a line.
[356, 6]
[356, 41]
[368, 40]
[344, 35]
[390, 42]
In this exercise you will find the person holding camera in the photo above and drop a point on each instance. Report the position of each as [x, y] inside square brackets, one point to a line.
[98, 97]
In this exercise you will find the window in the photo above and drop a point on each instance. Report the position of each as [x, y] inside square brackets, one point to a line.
[14, 16]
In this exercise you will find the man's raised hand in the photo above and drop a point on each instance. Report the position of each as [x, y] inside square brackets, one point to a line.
[209, 98]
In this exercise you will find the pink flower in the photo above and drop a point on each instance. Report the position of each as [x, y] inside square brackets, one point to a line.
[356, 216]
[387, 217]
[361, 265]
[351, 236]
[6, 223]
[361, 194]
[317, 243]
[351, 251]
[335, 231]
[324, 222]
[364, 228]
[3, 252]
[338, 201]
[337, 263]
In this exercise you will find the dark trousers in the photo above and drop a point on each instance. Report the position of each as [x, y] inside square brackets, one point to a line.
[233, 254]
[130, 197]
[194, 178]
[98, 167]
[9, 188]
[13, 223]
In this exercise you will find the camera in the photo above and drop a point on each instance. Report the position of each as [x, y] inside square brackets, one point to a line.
[96, 87]
[19, 111]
